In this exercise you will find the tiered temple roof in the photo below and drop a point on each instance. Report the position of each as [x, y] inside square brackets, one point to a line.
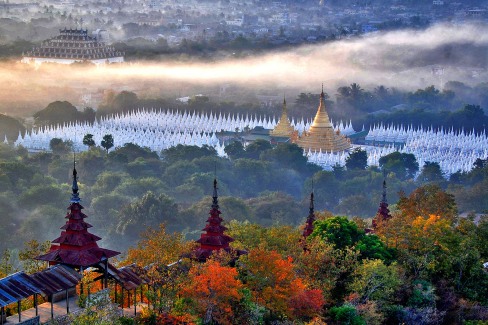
[214, 238]
[284, 127]
[321, 136]
[76, 247]
[383, 213]
[73, 45]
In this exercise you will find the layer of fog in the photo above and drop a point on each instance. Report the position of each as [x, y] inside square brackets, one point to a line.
[407, 59]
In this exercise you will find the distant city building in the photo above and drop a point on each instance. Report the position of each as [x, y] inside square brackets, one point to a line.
[267, 100]
[368, 28]
[475, 13]
[74, 45]
[186, 99]
[235, 22]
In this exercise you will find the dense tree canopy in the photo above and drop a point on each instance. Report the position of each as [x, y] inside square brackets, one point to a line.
[58, 146]
[424, 263]
[88, 140]
[10, 128]
[404, 165]
[60, 112]
[357, 159]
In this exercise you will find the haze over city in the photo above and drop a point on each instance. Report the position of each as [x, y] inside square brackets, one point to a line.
[405, 59]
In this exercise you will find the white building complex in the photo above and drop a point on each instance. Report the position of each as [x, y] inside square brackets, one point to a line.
[163, 129]
[73, 45]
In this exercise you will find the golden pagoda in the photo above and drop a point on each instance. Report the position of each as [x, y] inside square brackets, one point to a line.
[321, 135]
[284, 127]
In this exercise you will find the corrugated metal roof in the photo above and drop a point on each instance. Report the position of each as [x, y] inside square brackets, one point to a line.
[56, 279]
[130, 278]
[127, 276]
[16, 287]
[19, 286]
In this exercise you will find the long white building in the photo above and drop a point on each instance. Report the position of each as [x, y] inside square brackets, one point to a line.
[73, 45]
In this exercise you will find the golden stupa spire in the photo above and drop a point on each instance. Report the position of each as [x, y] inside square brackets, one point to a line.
[284, 127]
[321, 119]
[321, 135]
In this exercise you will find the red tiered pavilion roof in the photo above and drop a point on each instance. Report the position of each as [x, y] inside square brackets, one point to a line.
[76, 247]
[214, 238]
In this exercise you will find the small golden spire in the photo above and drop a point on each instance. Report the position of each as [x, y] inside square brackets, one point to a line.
[284, 127]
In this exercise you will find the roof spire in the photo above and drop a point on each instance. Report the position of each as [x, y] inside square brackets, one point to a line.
[311, 211]
[75, 197]
[383, 200]
[215, 201]
[322, 95]
[308, 230]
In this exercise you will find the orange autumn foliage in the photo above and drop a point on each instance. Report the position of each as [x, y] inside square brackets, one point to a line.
[157, 246]
[167, 319]
[430, 230]
[428, 200]
[420, 240]
[275, 285]
[215, 290]
[422, 234]
[307, 303]
[424, 202]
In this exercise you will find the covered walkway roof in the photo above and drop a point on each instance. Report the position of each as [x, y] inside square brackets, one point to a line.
[16, 287]
[56, 279]
[19, 286]
[130, 277]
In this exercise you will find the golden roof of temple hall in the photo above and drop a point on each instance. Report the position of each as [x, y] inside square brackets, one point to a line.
[284, 127]
[321, 135]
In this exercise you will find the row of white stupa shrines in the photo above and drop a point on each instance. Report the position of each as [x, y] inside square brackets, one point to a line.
[159, 130]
